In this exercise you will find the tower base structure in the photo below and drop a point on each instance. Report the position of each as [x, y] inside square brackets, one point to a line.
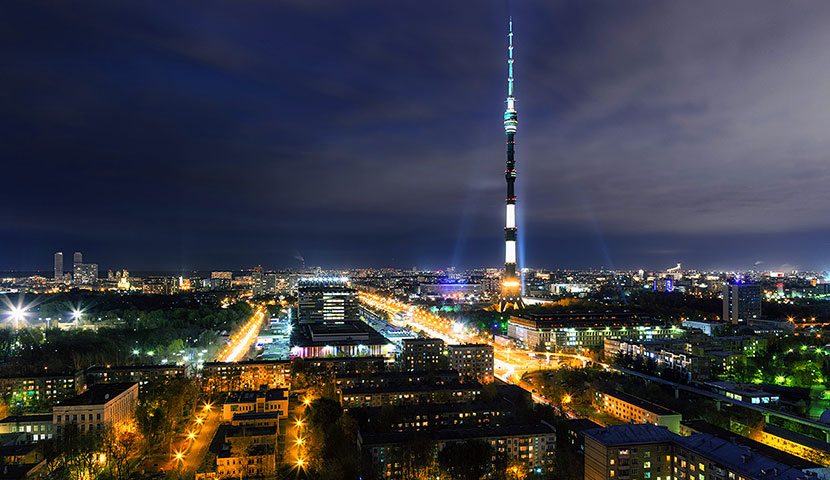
[510, 298]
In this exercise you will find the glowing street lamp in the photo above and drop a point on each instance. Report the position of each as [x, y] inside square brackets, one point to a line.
[300, 463]
[307, 401]
[191, 435]
[299, 423]
[208, 407]
[199, 420]
[179, 456]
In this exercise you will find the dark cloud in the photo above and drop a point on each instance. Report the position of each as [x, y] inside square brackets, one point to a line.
[217, 133]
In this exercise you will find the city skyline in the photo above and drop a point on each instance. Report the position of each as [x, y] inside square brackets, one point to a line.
[650, 135]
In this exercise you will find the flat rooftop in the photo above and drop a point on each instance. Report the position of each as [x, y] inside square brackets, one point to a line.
[38, 418]
[336, 334]
[702, 426]
[242, 416]
[461, 433]
[583, 320]
[127, 368]
[98, 394]
[421, 387]
[631, 434]
[738, 458]
[639, 402]
[251, 396]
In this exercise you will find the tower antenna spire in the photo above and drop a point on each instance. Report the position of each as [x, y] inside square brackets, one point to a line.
[511, 286]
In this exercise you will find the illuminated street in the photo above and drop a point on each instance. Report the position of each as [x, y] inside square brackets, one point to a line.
[509, 363]
[240, 343]
[200, 442]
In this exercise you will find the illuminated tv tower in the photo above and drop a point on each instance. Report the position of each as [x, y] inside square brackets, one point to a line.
[511, 286]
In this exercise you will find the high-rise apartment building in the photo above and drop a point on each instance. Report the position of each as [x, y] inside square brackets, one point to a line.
[741, 302]
[258, 282]
[58, 265]
[221, 280]
[326, 299]
[86, 273]
[77, 259]
[421, 354]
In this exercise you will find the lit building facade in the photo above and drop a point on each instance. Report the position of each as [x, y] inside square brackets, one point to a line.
[646, 451]
[58, 265]
[85, 273]
[473, 360]
[631, 409]
[101, 406]
[421, 354]
[274, 400]
[326, 299]
[43, 386]
[741, 302]
[36, 427]
[410, 394]
[248, 375]
[531, 445]
[141, 374]
[574, 332]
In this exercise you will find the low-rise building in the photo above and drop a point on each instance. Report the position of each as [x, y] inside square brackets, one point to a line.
[36, 427]
[255, 401]
[410, 394]
[241, 452]
[646, 451]
[707, 327]
[744, 392]
[576, 332]
[141, 374]
[346, 338]
[746, 345]
[254, 419]
[248, 375]
[636, 410]
[533, 445]
[473, 360]
[669, 354]
[101, 406]
[794, 443]
[631, 452]
[386, 379]
[44, 386]
[419, 418]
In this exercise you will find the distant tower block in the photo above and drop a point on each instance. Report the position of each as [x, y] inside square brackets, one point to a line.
[511, 286]
[58, 265]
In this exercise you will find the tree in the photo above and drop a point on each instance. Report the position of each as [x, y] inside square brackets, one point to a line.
[120, 443]
[469, 460]
[332, 440]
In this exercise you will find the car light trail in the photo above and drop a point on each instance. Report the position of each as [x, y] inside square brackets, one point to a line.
[241, 342]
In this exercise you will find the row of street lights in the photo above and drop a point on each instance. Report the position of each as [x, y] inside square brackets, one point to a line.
[179, 455]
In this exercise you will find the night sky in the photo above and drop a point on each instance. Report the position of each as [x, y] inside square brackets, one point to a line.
[225, 134]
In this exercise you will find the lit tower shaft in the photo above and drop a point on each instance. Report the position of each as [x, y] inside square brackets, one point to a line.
[511, 291]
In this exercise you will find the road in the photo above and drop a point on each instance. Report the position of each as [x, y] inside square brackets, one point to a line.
[241, 342]
[196, 453]
[295, 450]
[510, 363]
